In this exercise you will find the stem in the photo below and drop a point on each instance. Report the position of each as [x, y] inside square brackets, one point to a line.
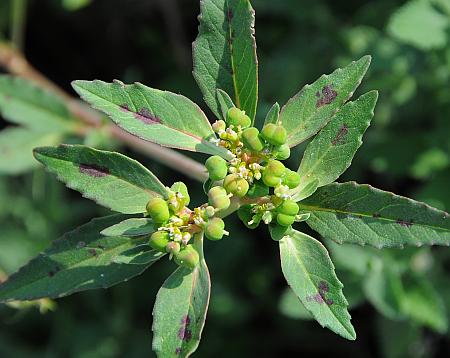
[15, 63]
[18, 16]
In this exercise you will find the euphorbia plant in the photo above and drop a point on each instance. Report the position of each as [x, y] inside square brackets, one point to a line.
[246, 175]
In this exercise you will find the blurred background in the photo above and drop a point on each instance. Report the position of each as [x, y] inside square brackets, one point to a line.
[400, 299]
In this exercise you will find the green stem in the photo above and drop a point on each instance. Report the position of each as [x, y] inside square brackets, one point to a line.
[18, 22]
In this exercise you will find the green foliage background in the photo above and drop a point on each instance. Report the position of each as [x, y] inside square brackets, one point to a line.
[406, 150]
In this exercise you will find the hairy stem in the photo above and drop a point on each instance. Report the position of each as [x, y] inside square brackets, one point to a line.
[15, 63]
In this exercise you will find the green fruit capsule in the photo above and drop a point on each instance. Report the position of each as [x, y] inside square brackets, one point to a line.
[285, 220]
[282, 152]
[180, 187]
[218, 198]
[273, 172]
[236, 117]
[159, 240]
[235, 185]
[214, 229]
[288, 207]
[173, 247]
[158, 210]
[217, 167]
[291, 179]
[274, 134]
[250, 137]
[188, 257]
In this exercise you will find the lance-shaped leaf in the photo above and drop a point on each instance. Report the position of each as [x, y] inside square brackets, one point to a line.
[311, 108]
[331, 151]
[131, 227]
[80, 260]
[224, 54]
[225, 103]
[273, 114]
[360, 214]
[161, 117]
[24, 103]
[110, 179]
[309, 271]
[180, 310]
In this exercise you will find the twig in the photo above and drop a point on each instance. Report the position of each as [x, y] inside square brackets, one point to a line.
[14, 62]
[18, 23]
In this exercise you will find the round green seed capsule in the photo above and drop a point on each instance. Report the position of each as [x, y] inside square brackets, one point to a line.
[288, 207]
[217, 167]
[159, 240]
[173, 247]
[218, 198]
[180, 187]
[158, 210]
[282, 152]
[214, 229]
[291, 179]
[273, 173]
[235, 185]
[274, 134]
[187, 257]
[236, 117]
[285, 220]
[250, 137]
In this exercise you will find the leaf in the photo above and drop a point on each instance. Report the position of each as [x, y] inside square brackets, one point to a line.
[16, 148]
[80, 260]
[310, 273]
[225, 103]
[311, 108]
[360, 214]
[110, 179]
[273, 114]
[331, 151]
[224, 54]
[291, 307]
[138, 255]
[180, 310]
[420, 25]
[161, 117]
[130, 227]
[305, 190]
[24, 103]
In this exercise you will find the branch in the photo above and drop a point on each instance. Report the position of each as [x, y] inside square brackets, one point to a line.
[15, 63]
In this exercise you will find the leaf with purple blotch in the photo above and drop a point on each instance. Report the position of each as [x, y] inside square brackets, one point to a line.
[110, 179]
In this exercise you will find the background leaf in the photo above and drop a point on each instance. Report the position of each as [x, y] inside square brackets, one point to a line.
[224, 54]
[310, 273]
[311, 108]
[157, 116]
[180, 310]
[360, 214]
[80, 260]
[110, 179]
[331, 151]
[273, 114]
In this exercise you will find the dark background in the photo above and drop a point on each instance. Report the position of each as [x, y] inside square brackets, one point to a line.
[406, 150]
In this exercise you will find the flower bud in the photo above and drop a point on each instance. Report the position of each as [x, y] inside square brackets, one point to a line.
[159, 240]
[214, 229]
[291, 179]
[282, 152]
[236, 117]
[274, 134]
[250, 137]
[158, 210]
[219, 126]
[288, 207]
[181, 188]
[173, 247]
[235, 185]
[210, 211]
[285, 220]
[273, 172]
[187, 257]
[218, 198]
[217, 167]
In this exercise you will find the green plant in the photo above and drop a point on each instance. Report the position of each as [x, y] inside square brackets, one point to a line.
[112, 249]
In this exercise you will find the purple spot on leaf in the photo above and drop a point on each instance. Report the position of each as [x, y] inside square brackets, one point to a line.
[124, 107]
[93, 252]
[184, 332]
[323, 287]
[340, 136]
[229, 14]
[178, 351]
[81, 244]
[405, 223]
[376, 215]
[329, 301]
[93, 170]
[145, 116]
[328, 96]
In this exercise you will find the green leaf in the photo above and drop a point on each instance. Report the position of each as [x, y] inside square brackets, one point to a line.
[80, 260]
[273, 114]
[16, 148]
[360, 214]
[310, 273]
[180, 310]
[130, 227]
[24, 103]
[291, 307]
[331, 151]
[419, 24]
[225, 103]
[110, 179]
[138, 255]
[224, 54]
[311, 108]
[161, 117]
